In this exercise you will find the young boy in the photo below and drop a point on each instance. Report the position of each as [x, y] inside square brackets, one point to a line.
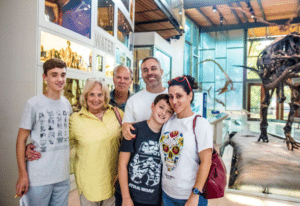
[46, 118]
[140, 162]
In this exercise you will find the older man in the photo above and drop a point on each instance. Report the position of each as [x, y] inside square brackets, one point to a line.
[138, 107]
[123, 77]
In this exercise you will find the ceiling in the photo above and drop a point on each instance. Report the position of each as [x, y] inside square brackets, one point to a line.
[261, 17]
[155, 15]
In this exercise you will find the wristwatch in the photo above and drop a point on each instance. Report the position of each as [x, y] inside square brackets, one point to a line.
[197, 191]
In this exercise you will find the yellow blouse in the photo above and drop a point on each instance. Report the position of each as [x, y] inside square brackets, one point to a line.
[94, 152]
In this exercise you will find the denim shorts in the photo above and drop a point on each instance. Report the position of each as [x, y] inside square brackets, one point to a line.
[170, 201]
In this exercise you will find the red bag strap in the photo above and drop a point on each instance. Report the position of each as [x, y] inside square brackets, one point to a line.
[117, 113]
[194, 125]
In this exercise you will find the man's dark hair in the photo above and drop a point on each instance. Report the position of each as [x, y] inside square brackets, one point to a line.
[161, 97]
[53, 63]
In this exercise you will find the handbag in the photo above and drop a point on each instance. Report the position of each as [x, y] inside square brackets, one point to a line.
[215, 184]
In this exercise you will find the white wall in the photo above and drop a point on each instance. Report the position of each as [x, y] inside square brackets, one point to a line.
[177, 56]
[143, 38]
[18, 31]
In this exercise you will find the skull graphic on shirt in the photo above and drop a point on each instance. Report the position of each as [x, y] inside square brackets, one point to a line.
[172, 144]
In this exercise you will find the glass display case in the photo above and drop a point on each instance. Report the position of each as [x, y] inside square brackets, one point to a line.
[74, 15]
[124, 29]
[105, 18]
[120, 57]
[75, 55]
[126, 4]
[109, 66]
[99, 63]
[72, 91]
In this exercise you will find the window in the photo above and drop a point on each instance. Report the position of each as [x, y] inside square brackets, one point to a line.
[187, 58]
[255, 46]
[128, 62]
[191, 49]
[165, 63]
[220, 52]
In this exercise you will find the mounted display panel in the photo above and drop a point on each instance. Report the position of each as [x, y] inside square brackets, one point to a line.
[74, 15]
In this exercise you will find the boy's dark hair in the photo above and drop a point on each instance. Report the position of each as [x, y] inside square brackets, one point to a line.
[53, 63]
[161, 97]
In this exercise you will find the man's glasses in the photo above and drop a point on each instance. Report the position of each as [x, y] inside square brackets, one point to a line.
[181, 79]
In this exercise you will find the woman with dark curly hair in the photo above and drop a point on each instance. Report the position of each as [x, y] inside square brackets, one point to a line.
[186, 156]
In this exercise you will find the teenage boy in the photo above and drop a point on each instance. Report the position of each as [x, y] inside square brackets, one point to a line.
[46, 118]
[139, 161]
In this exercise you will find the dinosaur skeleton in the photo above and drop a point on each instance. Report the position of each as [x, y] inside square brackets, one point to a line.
[278, 65]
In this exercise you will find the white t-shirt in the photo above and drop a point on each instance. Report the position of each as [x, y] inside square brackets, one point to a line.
[48, 121]
[138, 106]
[179, 153]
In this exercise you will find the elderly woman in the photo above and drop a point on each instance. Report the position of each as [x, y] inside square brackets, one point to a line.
[95, 135]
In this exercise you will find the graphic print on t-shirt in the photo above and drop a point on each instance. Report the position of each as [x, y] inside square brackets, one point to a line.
[145, 167]
[53, 130]
[172, 144]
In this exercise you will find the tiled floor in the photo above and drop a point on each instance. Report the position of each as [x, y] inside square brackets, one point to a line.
[74, 198]
[231, 198]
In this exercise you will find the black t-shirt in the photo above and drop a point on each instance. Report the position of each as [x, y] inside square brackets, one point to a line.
[144, 167]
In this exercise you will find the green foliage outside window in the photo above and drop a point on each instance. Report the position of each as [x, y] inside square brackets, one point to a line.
[254, 48]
